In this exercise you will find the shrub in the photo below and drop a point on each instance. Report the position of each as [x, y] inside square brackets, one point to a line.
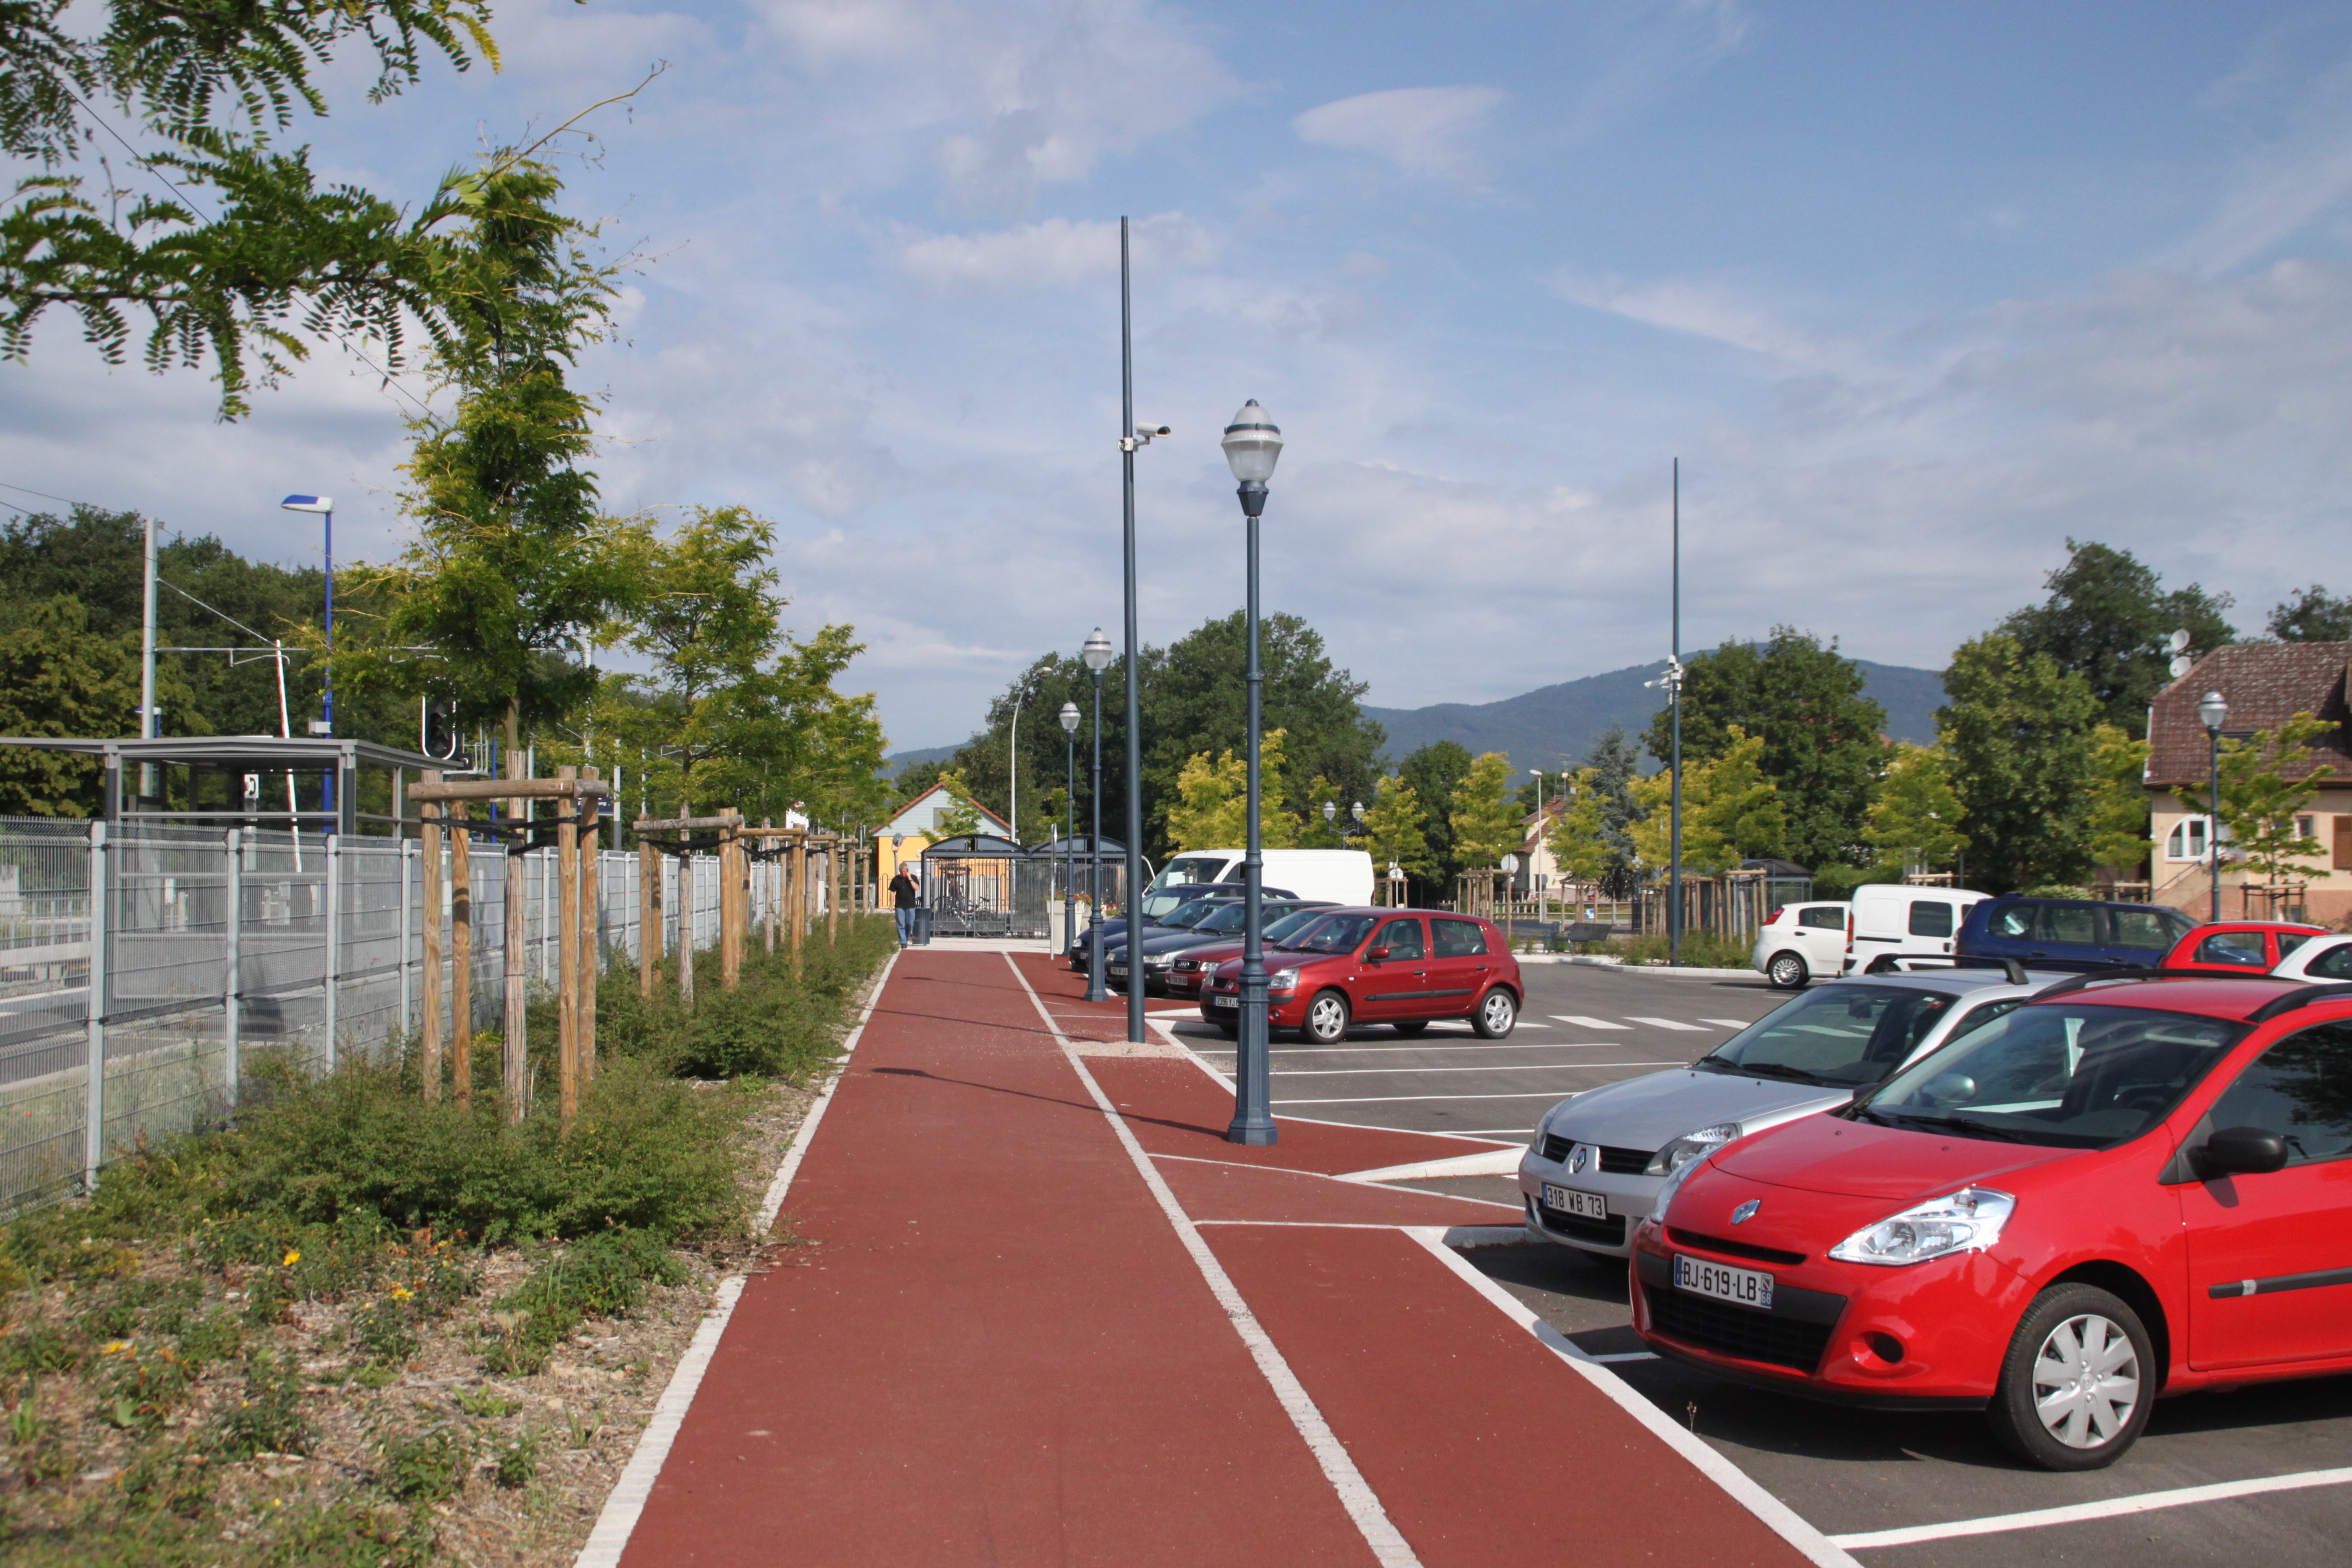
[1700, 950]
[269, 1418]
[424, 1467]
[601, 1277]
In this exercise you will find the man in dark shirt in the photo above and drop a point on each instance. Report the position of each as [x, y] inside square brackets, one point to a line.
[905, 896]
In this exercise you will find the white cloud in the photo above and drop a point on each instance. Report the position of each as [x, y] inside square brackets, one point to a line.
[2286, 183]
[1710, 309]
[1425, 131]
[1054, 252]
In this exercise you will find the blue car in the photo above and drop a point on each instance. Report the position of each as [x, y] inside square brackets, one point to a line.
[1157, 909]
[2070, 933]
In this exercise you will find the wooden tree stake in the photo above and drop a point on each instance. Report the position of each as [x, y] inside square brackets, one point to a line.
[567, 939]
[461, 955]
[771, 903]
[649, 914]
[431, 1064]
[591, 930]
[733, 902]
[686, 932]
[515, 1059]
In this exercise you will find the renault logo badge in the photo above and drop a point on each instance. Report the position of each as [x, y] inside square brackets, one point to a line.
[1580, 1157]
[1746, 1211]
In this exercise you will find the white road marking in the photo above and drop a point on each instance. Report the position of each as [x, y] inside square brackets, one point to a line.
[1363, 1505]
[1282, 1051]
[1670, 1023]
[1584, 1023]
[2111, 1508]
[1729, 1023]
[1405, 1099]
[1515, 1067]
[1627, 1355]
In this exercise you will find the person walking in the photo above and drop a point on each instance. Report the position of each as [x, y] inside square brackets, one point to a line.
[905, 897]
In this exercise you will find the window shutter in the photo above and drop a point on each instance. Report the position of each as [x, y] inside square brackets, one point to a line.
[2343, 857]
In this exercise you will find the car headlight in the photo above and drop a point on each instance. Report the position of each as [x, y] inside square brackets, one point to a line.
[1665, 1197]
[1969, 1220]
[1156, 961]
[1690, 1146]
[1282, 980]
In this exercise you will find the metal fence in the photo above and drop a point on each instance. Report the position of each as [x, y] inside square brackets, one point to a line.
[211, 949]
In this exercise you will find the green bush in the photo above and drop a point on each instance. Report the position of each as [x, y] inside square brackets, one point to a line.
[602, 1276]
[424, 1467]
[780, 1022]
[1700, 950]
[269, 1418]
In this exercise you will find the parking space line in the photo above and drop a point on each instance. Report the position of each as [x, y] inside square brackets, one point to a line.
[1366, 1050]
[1585, 1023]
[1517, 1067]
[1729, 1023]
[1671, 1023]
[2112, 1507]
[1404, 1099]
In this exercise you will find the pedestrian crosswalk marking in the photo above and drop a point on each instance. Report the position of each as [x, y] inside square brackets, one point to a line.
[1729, 1023]
[1668, 1023]
[1585, 1023]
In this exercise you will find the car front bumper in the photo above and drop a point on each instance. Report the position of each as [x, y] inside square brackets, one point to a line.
[1629, 1199]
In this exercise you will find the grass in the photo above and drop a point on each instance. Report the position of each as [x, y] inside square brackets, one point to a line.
[1700, 950]
[229, 1299]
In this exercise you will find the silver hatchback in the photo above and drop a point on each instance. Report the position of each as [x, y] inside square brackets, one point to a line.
[1599, 1158]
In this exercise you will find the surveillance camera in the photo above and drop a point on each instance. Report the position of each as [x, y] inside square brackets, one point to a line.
[1146, 432]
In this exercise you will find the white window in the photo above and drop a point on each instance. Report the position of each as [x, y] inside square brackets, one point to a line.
[2307, 827]
[2187, 840]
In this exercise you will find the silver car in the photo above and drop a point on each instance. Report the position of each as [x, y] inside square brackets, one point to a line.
[1599, 1158]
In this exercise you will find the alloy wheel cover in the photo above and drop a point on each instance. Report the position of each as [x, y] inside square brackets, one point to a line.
[2086, 1381]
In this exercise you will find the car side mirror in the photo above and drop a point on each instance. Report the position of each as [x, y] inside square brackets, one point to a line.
[1375, 955]
[2241, 1151]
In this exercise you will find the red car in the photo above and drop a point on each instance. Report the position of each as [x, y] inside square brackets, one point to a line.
[2239, 946]
[1391, 966]
[2126, 1188]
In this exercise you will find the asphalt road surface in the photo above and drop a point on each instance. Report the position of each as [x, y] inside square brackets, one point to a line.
[1931, 1482]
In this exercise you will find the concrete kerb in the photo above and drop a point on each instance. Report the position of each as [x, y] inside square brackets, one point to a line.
[625, 1503]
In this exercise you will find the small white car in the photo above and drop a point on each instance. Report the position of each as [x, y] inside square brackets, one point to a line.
[2320, 959]
[1599, 1158]
[1801, 942]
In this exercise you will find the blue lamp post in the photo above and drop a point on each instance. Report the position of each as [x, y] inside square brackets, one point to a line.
[324, 507]
[1097, 654]
[1069, 718]
[1252, 444]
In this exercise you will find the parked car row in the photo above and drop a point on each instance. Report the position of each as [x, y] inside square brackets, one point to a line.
[1403, 967]
[2049, 1197]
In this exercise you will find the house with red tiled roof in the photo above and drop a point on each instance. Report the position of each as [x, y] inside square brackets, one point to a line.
[914, 826]
[2265, 684]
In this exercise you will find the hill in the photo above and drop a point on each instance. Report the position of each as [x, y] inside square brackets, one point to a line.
[1538, 728]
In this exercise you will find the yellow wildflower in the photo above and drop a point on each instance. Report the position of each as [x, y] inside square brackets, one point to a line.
[292, 1257]
[401, 1293]
[115, 1347]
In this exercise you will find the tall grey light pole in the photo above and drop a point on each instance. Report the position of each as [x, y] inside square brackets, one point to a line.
[2214, 713]
[1252, 444]
[1097, 654]
[1674, 696]
[1069, 718]
[1131, 436]
[324, 507]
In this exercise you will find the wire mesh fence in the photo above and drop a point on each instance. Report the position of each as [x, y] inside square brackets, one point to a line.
[173, 959]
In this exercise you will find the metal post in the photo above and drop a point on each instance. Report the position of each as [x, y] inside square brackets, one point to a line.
[567, 1001]
[232, 964]
[1070, 848]
[461, 956]
[147, 725]
[408, 852]
[1253, 1120]
[334, 965]
[2213, 819]
[514, 1055]
[94, 1084]
[1674, 696]
[1133, 902]
[1096, 990]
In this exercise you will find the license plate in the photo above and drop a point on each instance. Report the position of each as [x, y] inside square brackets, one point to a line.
[1224, 1001]
[1120, 970]
[1567, 1200]
[1741, 1287]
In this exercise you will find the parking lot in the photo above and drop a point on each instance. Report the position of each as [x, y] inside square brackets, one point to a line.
[2272, 1464]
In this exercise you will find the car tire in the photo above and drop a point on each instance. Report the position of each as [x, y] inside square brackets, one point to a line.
[2080, 1338]
[1412, 1027]
[1327, 1018]
[1788, 971]
[1496, 1016]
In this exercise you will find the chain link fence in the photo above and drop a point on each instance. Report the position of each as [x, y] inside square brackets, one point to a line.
[145, 970]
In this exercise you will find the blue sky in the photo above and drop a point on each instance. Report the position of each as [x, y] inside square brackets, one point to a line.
[1914, 292]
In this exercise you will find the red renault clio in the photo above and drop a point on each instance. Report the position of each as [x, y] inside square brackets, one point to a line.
[2126, 1188]
[1402, 967]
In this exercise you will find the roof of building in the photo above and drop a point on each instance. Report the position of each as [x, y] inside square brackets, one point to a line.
[2265, 684]
[893, 826]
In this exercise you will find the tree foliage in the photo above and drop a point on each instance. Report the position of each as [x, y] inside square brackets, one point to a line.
[1211, 809]
[1915, 821]
[1730, 811]
[1394, 829]
[2267, 779]
[2312, 615]
[206, 85]
[1484, 818]
[1435, 771]
[1804, 702]
[2118, 789]
[2107, 619]
[2017, 728]
[57, 677]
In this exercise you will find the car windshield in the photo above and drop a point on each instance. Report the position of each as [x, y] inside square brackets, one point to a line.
[1336, 934]
[2079, 1076]
[1157, 905]
[1296, 920]
[1844, 1036]
[1227, 918]
[1192, 914]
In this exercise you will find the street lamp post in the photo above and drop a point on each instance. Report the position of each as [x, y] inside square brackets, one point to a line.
[1097, 654]
[324, 507]
[1330, 814]
[1252, 444]
[1069, 718]
[2214, 713]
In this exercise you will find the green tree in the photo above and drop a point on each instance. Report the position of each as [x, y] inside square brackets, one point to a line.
[276, 254]
[512, 571]
[2118, 800]
[2312, 615]
[1915, 821]
[1314, 832]
[2107, 619]
[1211, 809]
[59, 678]
[1730, 811]
[1435, 771]
[1393, 829]
[2017, 728]
[1484, 819]
[2267, 779]
[1820, 733]
[1578, 837]
[958, 817]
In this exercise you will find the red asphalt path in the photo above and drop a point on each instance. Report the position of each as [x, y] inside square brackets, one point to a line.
[994, 1347]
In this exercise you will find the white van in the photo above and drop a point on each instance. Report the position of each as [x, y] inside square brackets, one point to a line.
[1888, 920]
[1339, 876]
